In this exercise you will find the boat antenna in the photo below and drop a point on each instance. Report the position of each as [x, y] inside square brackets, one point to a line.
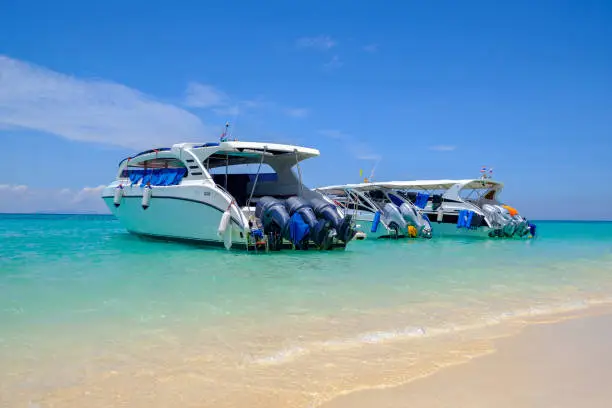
[371, 178]
[224, 135]
[234, 119]
[483, 173]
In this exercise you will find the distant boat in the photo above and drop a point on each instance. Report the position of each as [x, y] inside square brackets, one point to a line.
[379, 211]
[464, 207]
[194, 192]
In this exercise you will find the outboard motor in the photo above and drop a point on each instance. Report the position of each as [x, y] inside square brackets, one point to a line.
[502, 220]
[494, 215]
[394, 219]
[522, 227]
[319, 230]
[509, 223]
[327, 211]
[300, 205]
[275, 220]
[416, 219]
[532, 229]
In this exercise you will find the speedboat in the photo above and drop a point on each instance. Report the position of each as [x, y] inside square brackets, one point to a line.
[379, 211]
[465, 207]
[229, 193]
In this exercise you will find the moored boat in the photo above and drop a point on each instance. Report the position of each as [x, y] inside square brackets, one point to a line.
[210, 194]
[379, 212]
[469, 207]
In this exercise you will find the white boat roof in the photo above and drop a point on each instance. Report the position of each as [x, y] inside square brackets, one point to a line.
[245, 150]
[259, 147]
[416, 185]
[439, 184]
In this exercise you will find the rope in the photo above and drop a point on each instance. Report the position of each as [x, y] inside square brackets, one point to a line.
[256, 179]
[297, 162]
[226, 169]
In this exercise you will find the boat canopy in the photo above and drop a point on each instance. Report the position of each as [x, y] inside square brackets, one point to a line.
[340, 189]
[441, 184]
[235, 153]
[231, 152]
[419, 185]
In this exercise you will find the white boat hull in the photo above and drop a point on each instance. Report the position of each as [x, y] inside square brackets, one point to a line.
[451, 230]
[172, 214]
[364, 221]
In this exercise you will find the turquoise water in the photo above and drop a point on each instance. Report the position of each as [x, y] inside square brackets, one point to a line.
[93, 316]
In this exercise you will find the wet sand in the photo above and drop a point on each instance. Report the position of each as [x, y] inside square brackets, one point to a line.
[562, 365]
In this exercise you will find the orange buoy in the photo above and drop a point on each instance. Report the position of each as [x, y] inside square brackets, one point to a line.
[511, 210]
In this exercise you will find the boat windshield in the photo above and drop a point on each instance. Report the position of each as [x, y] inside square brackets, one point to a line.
[479, 195]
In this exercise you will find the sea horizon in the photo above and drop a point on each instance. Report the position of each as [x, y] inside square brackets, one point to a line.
[535, 220]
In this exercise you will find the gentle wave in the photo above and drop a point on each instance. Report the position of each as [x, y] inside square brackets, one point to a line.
[282, 356]
[418, 332]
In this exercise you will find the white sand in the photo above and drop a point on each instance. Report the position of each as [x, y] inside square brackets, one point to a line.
[560, 365]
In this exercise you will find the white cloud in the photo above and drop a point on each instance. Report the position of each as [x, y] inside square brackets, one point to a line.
[321, 42]
[37, 98]
[357, 148]
[333, 134]
[368, 156]
[9, 188]
[24, 199]
[297, 112]
[370, 48]
[208, 97]
[442, 148]
[233, 110]
[333, 63]
[253, 104]
[85, 194]
[204, 96]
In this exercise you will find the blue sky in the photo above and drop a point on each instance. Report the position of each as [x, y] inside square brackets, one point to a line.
[426, 89]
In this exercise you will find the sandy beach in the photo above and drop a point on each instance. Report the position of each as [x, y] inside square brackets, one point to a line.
[562, 365]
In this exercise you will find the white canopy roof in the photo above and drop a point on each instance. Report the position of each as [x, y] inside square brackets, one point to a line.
[251, 152]
[259, 148]
[416, 185]
[439, 184]
[245, 152]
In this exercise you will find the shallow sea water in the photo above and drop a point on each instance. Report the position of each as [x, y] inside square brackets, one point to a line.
[93, 316]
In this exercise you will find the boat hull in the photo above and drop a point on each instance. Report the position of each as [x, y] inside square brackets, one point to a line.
[451, 230]
[363, 223]
[187, 214]
[173, 217]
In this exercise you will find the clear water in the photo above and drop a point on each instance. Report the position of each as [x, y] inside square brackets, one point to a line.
[93, 316]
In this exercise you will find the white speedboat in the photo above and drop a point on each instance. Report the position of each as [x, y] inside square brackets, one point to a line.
[201, 192]
[464, 207]
[379, 212]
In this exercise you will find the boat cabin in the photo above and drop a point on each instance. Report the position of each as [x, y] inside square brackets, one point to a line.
[246, 170]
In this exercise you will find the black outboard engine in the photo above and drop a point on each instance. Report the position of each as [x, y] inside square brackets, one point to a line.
[319, 229]
[275, 220]
[327, 211]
